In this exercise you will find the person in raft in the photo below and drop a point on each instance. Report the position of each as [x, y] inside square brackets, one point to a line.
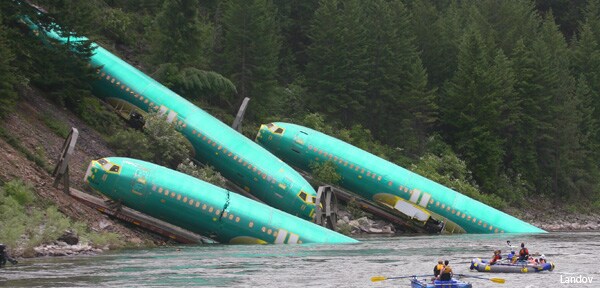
[446, 273]
[438, 269]
[523, 253]
[497, 256]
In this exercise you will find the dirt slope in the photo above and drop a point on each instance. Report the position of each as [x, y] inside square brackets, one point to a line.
[26, 125]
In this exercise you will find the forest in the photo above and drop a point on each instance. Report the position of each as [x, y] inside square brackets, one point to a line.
[499, 100]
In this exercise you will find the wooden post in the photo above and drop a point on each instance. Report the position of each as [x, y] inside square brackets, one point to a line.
[237, 123]
[61, 171]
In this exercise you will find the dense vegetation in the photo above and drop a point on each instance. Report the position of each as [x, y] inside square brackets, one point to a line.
[30, 221]
[497, 99]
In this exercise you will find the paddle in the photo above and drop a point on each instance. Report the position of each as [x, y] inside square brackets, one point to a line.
[381, 278]
[495, 280]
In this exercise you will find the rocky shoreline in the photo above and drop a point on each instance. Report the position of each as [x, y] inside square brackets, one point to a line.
[60, 248]
[360, 226]
[569, 222]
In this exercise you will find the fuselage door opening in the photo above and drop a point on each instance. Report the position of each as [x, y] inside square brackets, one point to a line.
[299, 141]
[138, 187]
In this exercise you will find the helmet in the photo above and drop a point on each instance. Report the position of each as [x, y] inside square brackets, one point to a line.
[543, 257]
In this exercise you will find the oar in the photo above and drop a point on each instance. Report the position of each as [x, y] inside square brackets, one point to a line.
[495, 280]
[381, 278]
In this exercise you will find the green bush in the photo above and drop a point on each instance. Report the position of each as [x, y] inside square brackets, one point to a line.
[169, 146]
[19, 191]
[101, 240]
[206, 173]
[58, 127]
[91, 110]
[452, 172]
[132, 143]
[27, 225]
[355, 211]
[35, 157]
[344, 228]
[12, 219]
[325, 172]
[161, 143]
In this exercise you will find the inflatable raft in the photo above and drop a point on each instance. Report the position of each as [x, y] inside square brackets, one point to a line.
[424, 283]
[519, 267]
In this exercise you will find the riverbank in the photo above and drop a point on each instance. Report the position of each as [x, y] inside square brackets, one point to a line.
[552, 216]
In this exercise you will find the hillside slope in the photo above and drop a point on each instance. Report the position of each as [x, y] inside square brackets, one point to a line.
[28, 125]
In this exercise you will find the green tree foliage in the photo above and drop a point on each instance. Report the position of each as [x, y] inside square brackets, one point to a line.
[206, 173]
[336, 71]
[473, 104]
[403, 107]
[181, 43]
[8, 94]
[326, 172]
[208, 86]
[567, 13]
[495, 79]
[26, 222]
[161, 143]
[585, 64]
[294, 17]
[132, 143]
[251, 44]
[453, 173]
[181, 35]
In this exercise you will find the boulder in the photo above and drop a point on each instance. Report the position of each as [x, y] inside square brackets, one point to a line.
[69, 237]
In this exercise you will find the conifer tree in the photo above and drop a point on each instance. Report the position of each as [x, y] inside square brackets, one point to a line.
[585, 62]
[555, 97]
[8, 94]
[251, 45]
[472, 106]
[401, 107]
[181, 46]
[336, 74]
[521, 150]
[294, 19]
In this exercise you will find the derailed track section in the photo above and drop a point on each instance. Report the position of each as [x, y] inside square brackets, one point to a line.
[140, 219]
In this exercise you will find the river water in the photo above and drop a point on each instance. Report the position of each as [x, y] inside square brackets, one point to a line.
[575, 254]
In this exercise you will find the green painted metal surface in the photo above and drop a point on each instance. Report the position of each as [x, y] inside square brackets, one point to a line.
[199, 206]
[236, 157]
[384, 182]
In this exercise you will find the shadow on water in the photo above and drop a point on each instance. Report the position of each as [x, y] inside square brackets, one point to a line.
[309, 265]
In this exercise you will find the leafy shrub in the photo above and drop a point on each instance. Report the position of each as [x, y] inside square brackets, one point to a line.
[325, 172]
[132, 143]
[58, 127]
[206, 173]
[452, 172]
[161, 143]
[169, 146]
[19, 191]
[344, 228]
[91, 110]
[101, 240]
[25, 225]
[354, 209]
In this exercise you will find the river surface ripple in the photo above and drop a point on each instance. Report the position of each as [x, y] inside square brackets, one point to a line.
[215, 265]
